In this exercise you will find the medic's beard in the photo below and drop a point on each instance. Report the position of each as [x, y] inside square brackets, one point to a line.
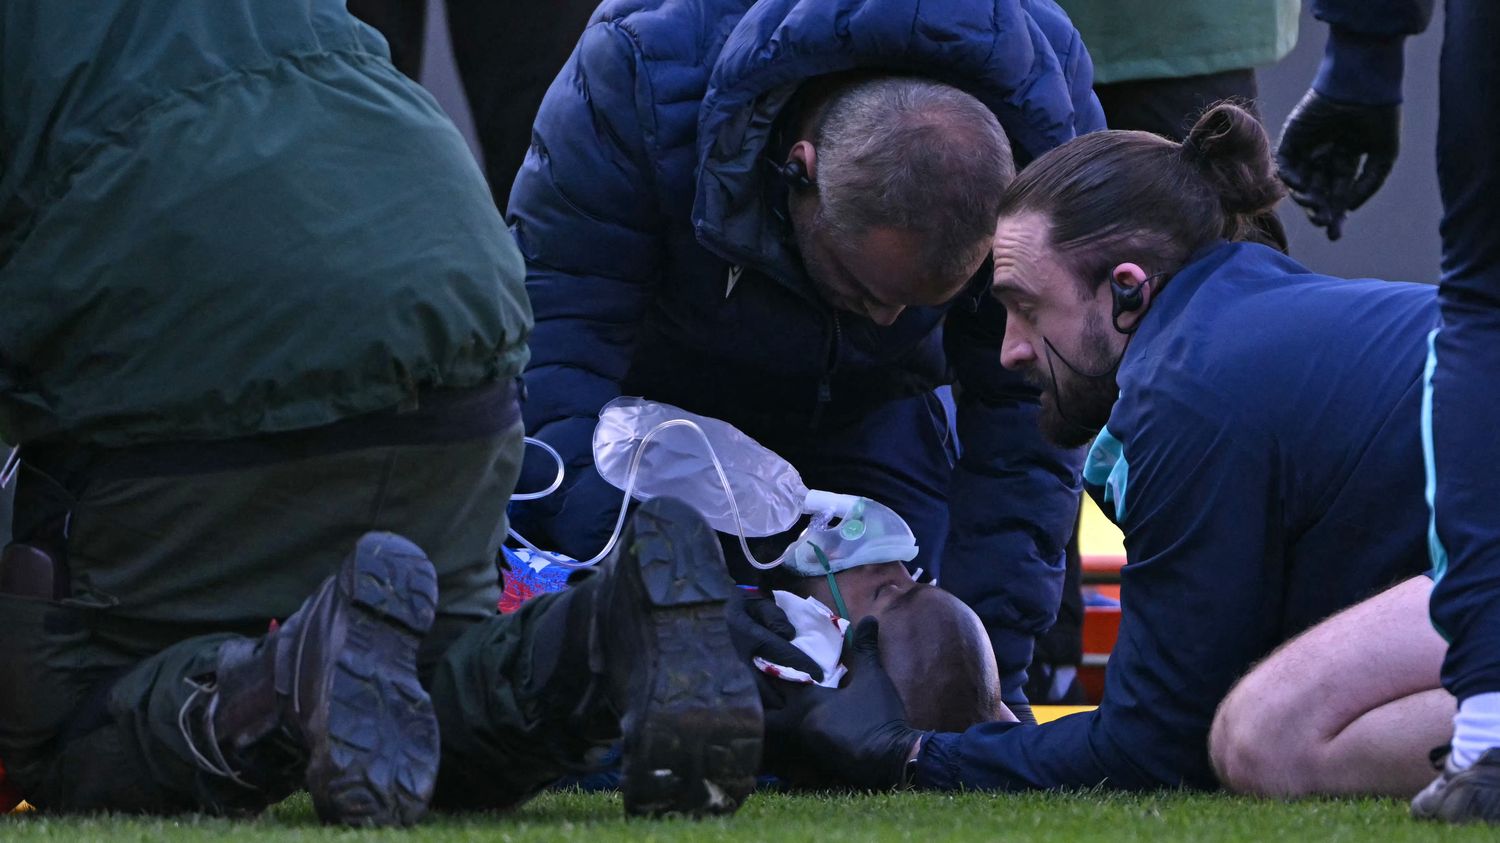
[1074, 405]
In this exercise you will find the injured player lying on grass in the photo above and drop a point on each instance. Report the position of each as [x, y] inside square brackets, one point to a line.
[932, 645]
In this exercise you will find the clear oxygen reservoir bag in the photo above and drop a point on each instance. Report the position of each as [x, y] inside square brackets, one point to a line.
[649, 449]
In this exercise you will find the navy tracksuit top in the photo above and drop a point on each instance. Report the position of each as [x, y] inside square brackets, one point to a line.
[1264, 462]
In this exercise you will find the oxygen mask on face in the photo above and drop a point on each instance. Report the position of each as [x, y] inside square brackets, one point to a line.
[866, 533]
[649, 449]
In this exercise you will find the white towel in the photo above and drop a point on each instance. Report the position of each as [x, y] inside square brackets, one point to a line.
[819, 634]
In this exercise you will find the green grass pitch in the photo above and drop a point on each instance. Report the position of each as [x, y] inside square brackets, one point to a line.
[595, 818]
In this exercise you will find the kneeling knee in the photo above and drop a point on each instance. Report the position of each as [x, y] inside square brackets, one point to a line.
[1240, 760]
[1260, 756]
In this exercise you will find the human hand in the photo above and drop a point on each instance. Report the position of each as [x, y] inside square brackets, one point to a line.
[759, 628]
[1333, 156]
[858, 733]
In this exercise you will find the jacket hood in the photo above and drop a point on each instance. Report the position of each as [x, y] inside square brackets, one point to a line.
[993, 49]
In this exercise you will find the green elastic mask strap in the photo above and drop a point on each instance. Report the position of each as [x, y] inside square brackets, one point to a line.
[833, 586]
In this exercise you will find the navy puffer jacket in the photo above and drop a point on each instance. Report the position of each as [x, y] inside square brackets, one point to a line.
[660, 264]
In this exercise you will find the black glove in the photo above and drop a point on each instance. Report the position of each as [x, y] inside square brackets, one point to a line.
[1322, 146]
[858, 733]
[758, 627]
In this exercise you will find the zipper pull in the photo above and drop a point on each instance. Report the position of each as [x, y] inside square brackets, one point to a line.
[11, 466]
[825, 386]
[825, 395]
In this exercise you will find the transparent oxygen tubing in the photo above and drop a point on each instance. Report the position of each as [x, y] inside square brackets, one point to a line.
[631, 473]
[556, 481]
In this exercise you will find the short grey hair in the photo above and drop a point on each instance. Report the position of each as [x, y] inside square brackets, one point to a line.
[913, 154]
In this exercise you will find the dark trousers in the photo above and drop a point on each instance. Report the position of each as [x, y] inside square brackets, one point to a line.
[1168, 107]
[171, 551]
[507, 55]
[1464, 388]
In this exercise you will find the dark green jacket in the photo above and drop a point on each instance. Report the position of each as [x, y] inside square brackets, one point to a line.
[227, 217]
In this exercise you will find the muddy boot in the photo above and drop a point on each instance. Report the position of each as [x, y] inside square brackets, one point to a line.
[330, 699]
[659, 649]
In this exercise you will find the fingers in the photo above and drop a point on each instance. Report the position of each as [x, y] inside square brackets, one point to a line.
[1291, 166]
[1336, 185]
[866, 642]
[791, 705]
[779, 652]
[1316, 204]
[1290, 176]
[1322, 184]
[769, 615]
[1375, 171]
[783, 704]
[1335, 227]
[788, 656]
[761, 629]
[1334, 156]
[1305, 172]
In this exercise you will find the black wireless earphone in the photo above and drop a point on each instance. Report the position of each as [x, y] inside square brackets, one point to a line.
[794, 173]
[1128, 300]
[1123, 300]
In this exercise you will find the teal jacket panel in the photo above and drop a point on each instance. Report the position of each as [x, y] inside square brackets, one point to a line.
[1152, 39]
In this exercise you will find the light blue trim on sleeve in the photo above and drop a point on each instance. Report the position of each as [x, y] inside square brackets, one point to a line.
[1435, 547]
[1106, 466]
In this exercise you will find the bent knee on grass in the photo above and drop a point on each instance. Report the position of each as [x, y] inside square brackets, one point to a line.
[1261, 747]
[1382, 752]
[1351, 706]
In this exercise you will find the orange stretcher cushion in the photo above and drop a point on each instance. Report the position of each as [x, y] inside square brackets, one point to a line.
[1048, 713]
